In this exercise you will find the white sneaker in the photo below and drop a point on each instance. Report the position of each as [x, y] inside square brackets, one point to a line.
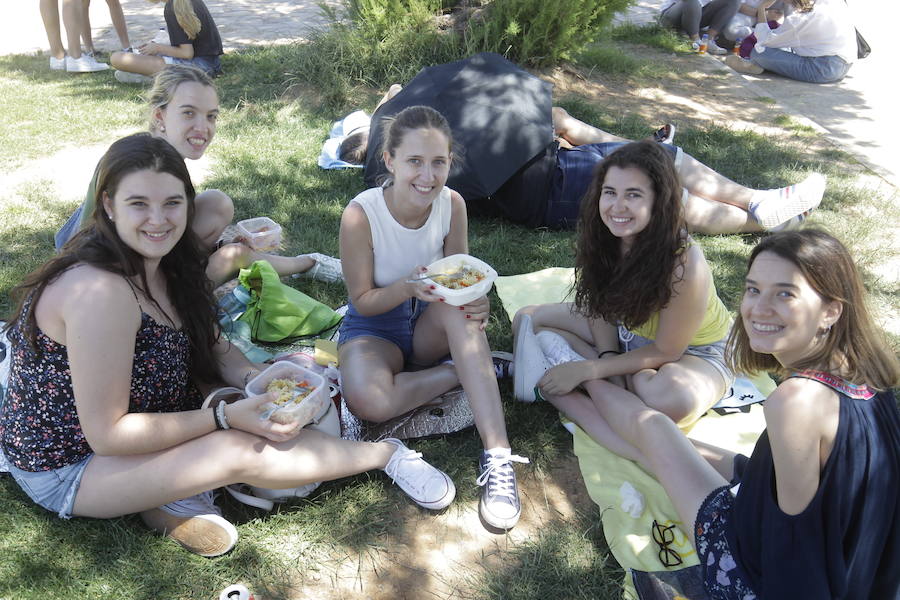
[783, 204]
[327, 269]
[57, 64]
[556, 349]
[427, 486]
[499, 506]
[128, 77]
[742, 65]
[84, 64]
[714, 48]
[529, 362]
[196, 523]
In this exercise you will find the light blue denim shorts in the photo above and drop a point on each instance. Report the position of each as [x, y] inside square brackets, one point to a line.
[54, 490]
[713, 353]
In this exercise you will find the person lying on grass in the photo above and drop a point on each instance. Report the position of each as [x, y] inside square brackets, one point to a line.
[548, 192]
[184, 110]
[388, 235]
[646, 312]
[103, 417]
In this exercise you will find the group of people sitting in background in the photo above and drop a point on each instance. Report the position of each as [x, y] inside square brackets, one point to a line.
[807, 40]
[113, 339]
[190, 37]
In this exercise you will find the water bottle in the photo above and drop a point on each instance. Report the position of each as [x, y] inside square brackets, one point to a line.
[737, 46]
[232, 306]
[704, 43]
[239, 337]
[161, 37]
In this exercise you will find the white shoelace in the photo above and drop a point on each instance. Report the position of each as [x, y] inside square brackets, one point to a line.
[400, 456]
[200, 504]
[499, 476]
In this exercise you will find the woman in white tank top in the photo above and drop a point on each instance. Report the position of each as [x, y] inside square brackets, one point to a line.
[388, 234]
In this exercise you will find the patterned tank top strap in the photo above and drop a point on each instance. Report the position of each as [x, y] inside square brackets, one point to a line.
[136, 298]
[839, 384]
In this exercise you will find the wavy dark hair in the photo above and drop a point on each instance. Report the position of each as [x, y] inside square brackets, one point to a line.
[99, 245]
[854, 342]
[629, 288]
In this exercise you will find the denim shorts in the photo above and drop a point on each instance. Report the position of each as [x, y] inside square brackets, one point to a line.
[54, 490]
[722, 577]
[395, 326]
[713, 353]
[211, 64]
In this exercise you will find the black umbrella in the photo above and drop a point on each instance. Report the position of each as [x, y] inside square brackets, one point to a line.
[499, 114]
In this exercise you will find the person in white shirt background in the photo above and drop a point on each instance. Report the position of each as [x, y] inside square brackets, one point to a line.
[816, 44]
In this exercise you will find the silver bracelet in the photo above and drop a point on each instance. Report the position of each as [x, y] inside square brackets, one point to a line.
[221, 419]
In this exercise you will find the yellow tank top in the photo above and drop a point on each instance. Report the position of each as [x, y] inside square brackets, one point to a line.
[714, 327]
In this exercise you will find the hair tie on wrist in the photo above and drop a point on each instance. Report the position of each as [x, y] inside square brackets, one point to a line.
[249, 374]
[221, 419]
[605, 352]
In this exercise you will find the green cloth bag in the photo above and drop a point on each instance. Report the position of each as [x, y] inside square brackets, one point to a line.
[277, 311]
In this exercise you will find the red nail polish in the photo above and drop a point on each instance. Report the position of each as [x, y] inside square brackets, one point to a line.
[432, 287]
[441, 299]
[460, 308]
[468, 316]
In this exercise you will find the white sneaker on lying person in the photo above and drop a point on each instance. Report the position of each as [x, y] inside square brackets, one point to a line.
[327, 269]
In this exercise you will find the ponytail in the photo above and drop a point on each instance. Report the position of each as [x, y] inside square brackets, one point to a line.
[186, 17]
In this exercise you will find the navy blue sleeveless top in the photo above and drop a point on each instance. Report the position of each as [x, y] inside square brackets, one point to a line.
[846, 543]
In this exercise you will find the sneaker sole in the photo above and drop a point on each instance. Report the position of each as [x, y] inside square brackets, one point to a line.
[204, 535]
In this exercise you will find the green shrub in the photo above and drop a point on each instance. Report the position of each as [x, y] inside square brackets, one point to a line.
[538, 32]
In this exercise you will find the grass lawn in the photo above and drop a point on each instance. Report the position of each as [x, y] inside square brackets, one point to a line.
[265, 158]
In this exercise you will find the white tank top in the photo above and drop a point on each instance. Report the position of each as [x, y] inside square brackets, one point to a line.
[398, 249]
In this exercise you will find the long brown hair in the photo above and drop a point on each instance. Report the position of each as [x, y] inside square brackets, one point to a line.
[629, 288]
[853, 342]
[99, 245]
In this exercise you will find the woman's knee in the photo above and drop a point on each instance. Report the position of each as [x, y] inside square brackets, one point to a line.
[215, 203]
[664, 390]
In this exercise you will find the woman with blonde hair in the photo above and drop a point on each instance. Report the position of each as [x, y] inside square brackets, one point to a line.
[184, 110]
[193, 40]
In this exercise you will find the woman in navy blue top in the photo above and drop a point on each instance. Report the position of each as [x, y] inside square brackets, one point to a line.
[814, 512]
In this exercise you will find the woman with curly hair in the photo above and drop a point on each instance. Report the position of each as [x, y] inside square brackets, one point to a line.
[646, 314]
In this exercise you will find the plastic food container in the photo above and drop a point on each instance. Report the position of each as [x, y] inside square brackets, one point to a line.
[307, 410]
[451, 264]
[262, 233]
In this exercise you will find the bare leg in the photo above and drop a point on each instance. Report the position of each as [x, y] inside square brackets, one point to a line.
[580, 409]
[118, 485]
[118, 20]
[392, 91]
[72, 13]
[474, 366]
[687, 478]
[214, 211]
[702, 181]
[713, 218]
[137, 63]
[578, 132]
[375, 386]
[50, 17]
[86, 39]
[225, 262]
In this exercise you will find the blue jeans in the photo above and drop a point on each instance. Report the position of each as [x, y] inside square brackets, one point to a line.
[54, 490]
[811, 69]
